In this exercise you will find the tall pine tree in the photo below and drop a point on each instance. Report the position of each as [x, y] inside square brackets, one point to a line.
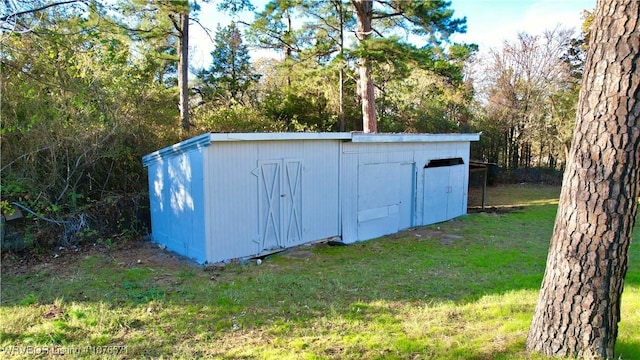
[579, 305]
[432, 19]
[230, 74]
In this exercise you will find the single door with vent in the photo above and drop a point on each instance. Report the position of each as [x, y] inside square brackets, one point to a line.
[444, 190]
[279, 203]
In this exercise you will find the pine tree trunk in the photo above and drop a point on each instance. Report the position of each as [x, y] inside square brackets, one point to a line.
[579, 306]
[367, 94]
[183, 71]
[338, 6]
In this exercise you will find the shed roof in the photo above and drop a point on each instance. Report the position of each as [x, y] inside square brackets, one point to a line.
[214, 137]
[394, 138]
[206, 139]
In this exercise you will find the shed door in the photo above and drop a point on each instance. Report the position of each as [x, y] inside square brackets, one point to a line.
[436, 195]
[443, 191]
[292, 201]
[385, 198]
[280, 203]
[456, 199]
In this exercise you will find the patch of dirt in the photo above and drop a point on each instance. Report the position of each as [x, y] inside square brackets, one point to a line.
[130, 253]
[126, 254]
[52, 312]
[429, 233]
[298, 253]
[495, 210]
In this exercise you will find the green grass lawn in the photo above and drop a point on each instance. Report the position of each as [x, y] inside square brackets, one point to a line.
[463, 289]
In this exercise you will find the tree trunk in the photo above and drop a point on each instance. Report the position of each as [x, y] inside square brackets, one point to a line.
[364, 10]
[288, 57]
[183, 70]
[338, 6]
[579, 306]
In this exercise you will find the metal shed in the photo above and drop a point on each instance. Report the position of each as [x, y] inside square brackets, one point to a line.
[217, 197]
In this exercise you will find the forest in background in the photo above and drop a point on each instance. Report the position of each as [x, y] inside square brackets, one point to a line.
[88, 87]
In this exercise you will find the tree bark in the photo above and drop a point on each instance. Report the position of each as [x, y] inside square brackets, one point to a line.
[579, 306]
[364, 10]
[183, 70]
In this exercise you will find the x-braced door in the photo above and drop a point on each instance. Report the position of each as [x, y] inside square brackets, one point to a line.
[280, 203]
[292, 202]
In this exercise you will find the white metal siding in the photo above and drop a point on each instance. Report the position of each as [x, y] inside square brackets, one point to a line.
[443, 190]
[271, 194]
[443, 193]
[378, 189]
[177, 204]
[349, 193]
[385, 198]
[280, 203]
[270, 174]
[385, 188]
[233, 201]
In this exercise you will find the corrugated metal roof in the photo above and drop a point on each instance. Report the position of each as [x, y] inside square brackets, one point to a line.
[179, 148]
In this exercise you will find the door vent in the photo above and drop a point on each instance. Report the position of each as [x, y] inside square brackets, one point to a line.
[444, 162]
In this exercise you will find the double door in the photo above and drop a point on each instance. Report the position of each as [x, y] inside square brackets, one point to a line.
[279, 203]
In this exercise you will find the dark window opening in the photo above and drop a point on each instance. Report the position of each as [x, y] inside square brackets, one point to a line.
[444, 162]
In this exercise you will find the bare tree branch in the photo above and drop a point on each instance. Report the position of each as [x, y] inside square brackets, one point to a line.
[30, 11]
[206, 29]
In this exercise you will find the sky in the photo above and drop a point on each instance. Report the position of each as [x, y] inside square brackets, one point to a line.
[489, 22]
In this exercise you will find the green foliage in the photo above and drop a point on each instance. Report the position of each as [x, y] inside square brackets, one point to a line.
[424, 102]
[315, 52]
[297, 108]
[272, 27]
[235, 118]
[72, 103]
[304, 95]
[234, 6]
[79, 109]
[397, 55]
[431, 18]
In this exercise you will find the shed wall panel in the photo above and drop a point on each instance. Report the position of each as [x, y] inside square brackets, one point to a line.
[405, 161]
[378, 189]
[270, 188]
[385, 198]
[308, 209]
[177, 201]
[407, 196]
[233, 201]
[436, 194]
[349, 194]
[442, 192]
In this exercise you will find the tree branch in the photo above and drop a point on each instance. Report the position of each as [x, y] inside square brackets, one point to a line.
[19, 13]
[386, 15]
[206, 29]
